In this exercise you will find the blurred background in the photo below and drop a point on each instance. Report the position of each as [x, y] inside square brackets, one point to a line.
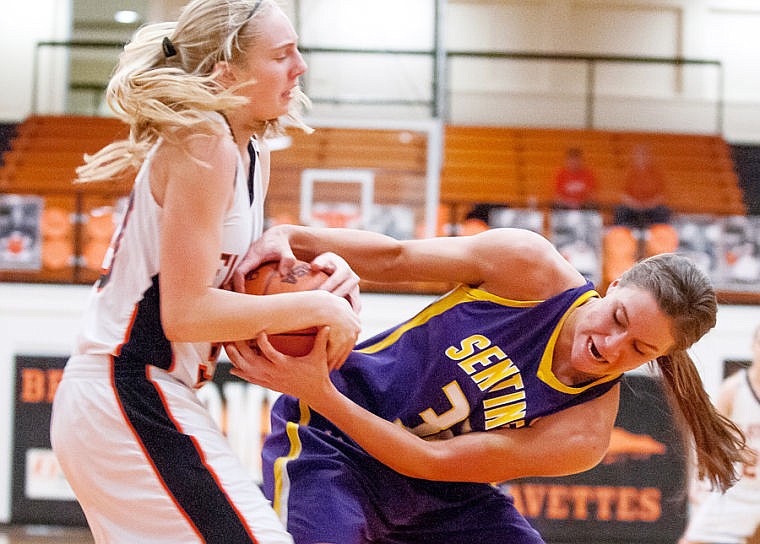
[432, 117]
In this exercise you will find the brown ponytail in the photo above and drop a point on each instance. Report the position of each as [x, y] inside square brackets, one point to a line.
[685, 294]
[718, 443]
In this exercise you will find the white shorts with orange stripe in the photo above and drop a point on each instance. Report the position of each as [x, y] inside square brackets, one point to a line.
[148, 464]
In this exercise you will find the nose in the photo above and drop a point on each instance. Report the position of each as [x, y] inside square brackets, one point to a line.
[300, 65]
[614, 344]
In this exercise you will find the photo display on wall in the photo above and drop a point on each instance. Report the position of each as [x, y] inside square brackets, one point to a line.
[739, 254]
[20, 241]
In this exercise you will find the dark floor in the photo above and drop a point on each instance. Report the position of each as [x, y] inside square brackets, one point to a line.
[43, 534]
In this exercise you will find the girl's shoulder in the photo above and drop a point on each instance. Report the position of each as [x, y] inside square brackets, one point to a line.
[199, 144]
[524, 265]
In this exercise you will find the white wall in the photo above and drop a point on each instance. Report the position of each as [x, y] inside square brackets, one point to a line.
[645, 97]
[22, 25]
[484, 92]
[539, 93]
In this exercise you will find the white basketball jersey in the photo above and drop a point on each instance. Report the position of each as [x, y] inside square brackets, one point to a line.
[746, 414]
[123, 317]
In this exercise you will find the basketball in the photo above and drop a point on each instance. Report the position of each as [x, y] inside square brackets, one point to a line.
[266, 280]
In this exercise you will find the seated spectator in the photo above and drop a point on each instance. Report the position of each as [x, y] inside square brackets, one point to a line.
[574, 184]
[477, 219]
[643, 199]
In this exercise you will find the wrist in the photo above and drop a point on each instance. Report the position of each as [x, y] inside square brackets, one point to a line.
[324, 398]
[294, 236]
[328, 307]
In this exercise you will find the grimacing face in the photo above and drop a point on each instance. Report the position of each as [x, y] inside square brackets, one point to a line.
[620, 332]
[274, 64]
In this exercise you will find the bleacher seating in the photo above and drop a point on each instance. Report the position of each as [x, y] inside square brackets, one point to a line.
[42, 160]
[46, 150]
[497, 165]
[397, 157]
[516, 166]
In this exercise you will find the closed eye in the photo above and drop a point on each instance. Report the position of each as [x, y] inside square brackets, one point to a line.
[616, 317]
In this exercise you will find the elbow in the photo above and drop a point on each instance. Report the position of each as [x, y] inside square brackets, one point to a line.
[178, 325]
[588, 453]
[577, 455]
[174, 330]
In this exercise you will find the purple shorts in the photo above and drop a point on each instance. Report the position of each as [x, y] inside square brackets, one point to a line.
[329, 490]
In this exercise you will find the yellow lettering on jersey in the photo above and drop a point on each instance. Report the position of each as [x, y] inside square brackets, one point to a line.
[490, 376]
[435, 423]
[495, 372]
[513, 414]
[515, 382]
[468, 346]
[483, 358]
[504, 399]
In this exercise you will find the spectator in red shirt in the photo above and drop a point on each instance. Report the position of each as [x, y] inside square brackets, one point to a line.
[575, 184]
[643, 199]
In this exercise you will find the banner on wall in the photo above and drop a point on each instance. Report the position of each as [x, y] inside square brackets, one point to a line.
[40, 493]
[638, 493]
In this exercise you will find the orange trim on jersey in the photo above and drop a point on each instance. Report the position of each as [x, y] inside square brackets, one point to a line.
[127, 333]
[145, 451]
[172, 365]
[231, 267]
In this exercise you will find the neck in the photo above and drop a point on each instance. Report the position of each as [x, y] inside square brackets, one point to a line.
[562, 366]
[241, 132]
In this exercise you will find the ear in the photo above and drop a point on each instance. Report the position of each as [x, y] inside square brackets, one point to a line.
[614, 284]
[224, 73]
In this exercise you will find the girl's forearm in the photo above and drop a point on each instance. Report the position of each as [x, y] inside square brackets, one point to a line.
[387, 442]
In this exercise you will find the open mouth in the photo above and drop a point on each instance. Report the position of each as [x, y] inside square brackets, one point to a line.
[595, 352]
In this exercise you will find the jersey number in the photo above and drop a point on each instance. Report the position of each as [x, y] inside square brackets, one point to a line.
[435, 423]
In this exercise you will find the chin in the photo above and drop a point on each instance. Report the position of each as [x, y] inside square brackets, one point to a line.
[591, 368]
